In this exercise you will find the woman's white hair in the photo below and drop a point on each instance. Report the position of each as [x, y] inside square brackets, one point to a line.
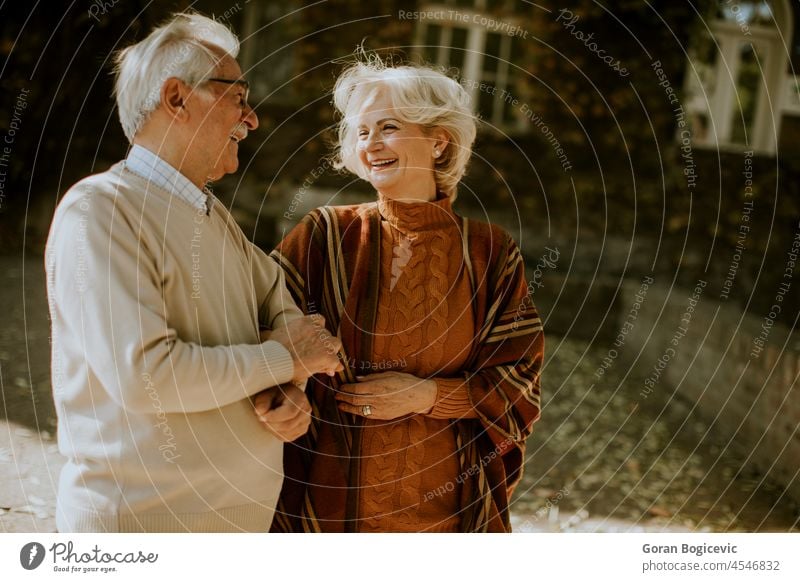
[421, 95]
[188, 47]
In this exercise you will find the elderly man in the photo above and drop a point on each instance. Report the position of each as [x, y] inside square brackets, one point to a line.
[159, 305]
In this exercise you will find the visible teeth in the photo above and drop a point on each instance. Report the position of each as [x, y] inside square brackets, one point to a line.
[383, 163]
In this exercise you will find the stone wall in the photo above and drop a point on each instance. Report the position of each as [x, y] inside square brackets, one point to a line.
[738, 369]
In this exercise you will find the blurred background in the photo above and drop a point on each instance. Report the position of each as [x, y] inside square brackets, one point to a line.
[643, 154]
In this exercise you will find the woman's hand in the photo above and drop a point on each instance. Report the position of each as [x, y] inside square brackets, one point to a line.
[388, 395]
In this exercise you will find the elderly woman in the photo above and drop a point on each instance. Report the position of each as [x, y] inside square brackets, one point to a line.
[425, 429]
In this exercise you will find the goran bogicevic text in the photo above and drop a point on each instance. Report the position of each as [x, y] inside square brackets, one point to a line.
[696, 549]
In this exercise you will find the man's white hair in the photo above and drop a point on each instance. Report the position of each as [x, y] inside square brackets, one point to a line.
[188, 47]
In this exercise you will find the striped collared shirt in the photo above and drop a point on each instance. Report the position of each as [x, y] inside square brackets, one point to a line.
[149, 166]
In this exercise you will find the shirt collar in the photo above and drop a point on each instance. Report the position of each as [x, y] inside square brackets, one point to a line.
[149, 166]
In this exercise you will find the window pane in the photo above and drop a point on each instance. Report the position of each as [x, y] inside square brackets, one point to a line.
[516, 51]
[701, 81]
[433, 38]
[700, 127]
[794, 93]
[491, 52]
[458, 42]
[509, 113]
[746, 13]
[747, 86]
[707, 65]
[512, 80]
[486, 106]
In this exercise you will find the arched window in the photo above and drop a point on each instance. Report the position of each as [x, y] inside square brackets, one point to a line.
[736, 76]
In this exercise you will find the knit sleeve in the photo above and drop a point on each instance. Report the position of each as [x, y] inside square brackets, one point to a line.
[107, 286]
[452, 399]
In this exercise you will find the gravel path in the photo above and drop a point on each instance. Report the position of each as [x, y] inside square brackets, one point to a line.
[603, 459]
[29, 468]
[599, 460]
[29, 458]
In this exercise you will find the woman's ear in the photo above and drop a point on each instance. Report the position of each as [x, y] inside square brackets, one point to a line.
[174, 94]
[440, 141]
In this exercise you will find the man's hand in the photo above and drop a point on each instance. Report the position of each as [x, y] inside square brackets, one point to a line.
[313, 349]
[389, 395]
[285, 411]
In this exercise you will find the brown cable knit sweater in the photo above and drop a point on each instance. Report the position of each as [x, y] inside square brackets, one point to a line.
[424, 323]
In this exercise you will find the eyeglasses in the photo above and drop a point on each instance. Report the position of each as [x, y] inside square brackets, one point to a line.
[241, 82]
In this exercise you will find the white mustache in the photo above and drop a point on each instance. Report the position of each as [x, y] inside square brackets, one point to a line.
[240, 132]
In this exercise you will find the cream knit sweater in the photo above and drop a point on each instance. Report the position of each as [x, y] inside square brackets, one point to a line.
[155, 311]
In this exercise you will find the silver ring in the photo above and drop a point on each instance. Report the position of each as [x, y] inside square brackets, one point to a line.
[366, 410]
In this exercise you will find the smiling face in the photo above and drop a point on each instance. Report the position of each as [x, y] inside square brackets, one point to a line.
[397, 157]
[225, 120]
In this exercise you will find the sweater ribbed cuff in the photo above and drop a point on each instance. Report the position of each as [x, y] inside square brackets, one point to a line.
[452, 399]
[277, 363]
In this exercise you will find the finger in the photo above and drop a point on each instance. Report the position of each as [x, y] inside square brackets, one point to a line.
[370, 381]
[297, 397]
[359, 389]
[293, 436]
[292, 430]
[263, 402]
[291, 412]
[357, 410]
[353, 399]
[287, 426]
[334, 344]
[287, 435]
[285, 412]
[302, 403]
[266, 407]
[333, 370]
[297, 431]
[376, 377]
[303, 407]
[261, 407]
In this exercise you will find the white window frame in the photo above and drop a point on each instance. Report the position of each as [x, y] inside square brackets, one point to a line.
[472, 69]
[721, 105]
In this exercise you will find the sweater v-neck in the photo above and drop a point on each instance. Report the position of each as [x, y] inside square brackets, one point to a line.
[155, 188]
